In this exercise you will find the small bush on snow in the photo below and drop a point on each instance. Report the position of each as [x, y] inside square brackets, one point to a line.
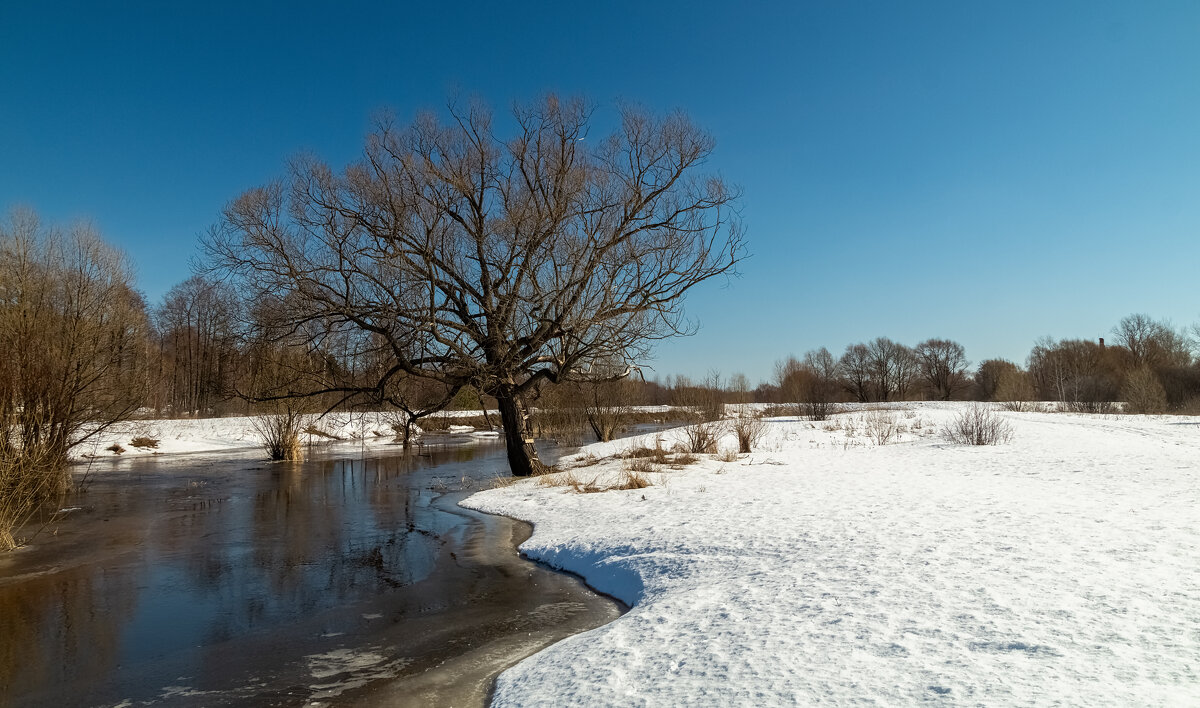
[978, 425]
[881, 426]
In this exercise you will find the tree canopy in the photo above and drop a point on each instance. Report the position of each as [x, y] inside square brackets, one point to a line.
[460, 258]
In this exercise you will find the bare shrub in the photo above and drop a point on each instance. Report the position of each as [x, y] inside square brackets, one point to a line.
[978, 425]
[115, 448]
[749, 430]
[728, 456]
[880, 426]
[144, 443]
[1143, 392]
[280, 433]
[701, 438]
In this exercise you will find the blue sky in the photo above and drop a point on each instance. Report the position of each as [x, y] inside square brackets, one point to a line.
[989, 172]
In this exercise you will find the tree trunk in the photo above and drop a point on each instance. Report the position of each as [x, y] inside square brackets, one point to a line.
[518, 438]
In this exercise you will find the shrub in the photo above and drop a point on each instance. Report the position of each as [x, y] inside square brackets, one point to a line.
[749, 430]
[1143, 393]
[145, 443]
[701, 438]
[280, 434]
[880, 426]
[26, 482]
[978, 425]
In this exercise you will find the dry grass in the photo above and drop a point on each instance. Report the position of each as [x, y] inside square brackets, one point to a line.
[587, 460]
[684, 459]
[144, 443]
[499, 482]
[728, 456]
[657, 453]
[115, 448]
[641, 464]
[628, 479]
[317, 432]
[631, 479]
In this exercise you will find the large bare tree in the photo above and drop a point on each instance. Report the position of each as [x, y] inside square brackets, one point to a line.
[468, 259]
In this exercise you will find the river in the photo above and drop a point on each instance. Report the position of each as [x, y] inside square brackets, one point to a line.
[352, 578]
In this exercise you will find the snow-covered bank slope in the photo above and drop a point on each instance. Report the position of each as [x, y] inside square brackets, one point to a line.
[190, 435]
[1063, 567]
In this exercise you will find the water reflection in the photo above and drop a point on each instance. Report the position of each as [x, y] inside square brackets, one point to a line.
[173, 567]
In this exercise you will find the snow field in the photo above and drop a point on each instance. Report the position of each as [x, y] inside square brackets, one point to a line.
[1062, 567]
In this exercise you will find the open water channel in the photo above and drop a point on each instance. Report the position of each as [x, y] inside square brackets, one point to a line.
[353, 578]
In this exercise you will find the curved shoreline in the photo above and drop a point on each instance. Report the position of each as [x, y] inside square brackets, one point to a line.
[567, 606]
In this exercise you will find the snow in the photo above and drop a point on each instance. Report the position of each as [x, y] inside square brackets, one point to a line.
[1062, 567]
[209, 435]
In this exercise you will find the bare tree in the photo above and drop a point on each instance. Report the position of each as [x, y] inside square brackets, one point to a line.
[74, 333]
[857, 372]
[499, 263]
[988, 376]
[1076, 372]
[198, 334]
[943, 365]
[789, 377]
[1151, 343]
[891, 369]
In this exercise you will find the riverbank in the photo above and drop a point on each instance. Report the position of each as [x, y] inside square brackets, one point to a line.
[222, 579]
[1059, 567]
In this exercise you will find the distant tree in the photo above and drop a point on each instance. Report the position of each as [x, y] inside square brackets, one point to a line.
[739, 388]
[821, 385]
[198, 331]
[988, 376]
[1076, 372]
[1001, 380]
[499, 263]
[1151, 343]
[942, 364]
[857, 373]
[789, 379]
[892, 369]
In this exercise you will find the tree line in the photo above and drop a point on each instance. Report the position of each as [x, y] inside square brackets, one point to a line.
[1147, 365]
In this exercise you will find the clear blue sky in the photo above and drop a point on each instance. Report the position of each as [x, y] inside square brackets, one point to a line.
[989, 172]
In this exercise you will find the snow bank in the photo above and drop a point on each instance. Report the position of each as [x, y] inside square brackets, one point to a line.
[190, 435]
[1063, 567]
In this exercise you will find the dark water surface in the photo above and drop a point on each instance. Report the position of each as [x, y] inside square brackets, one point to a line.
[350, 579]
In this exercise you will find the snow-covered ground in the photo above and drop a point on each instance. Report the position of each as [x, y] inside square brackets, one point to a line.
[1062, 568]
[190, 435]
